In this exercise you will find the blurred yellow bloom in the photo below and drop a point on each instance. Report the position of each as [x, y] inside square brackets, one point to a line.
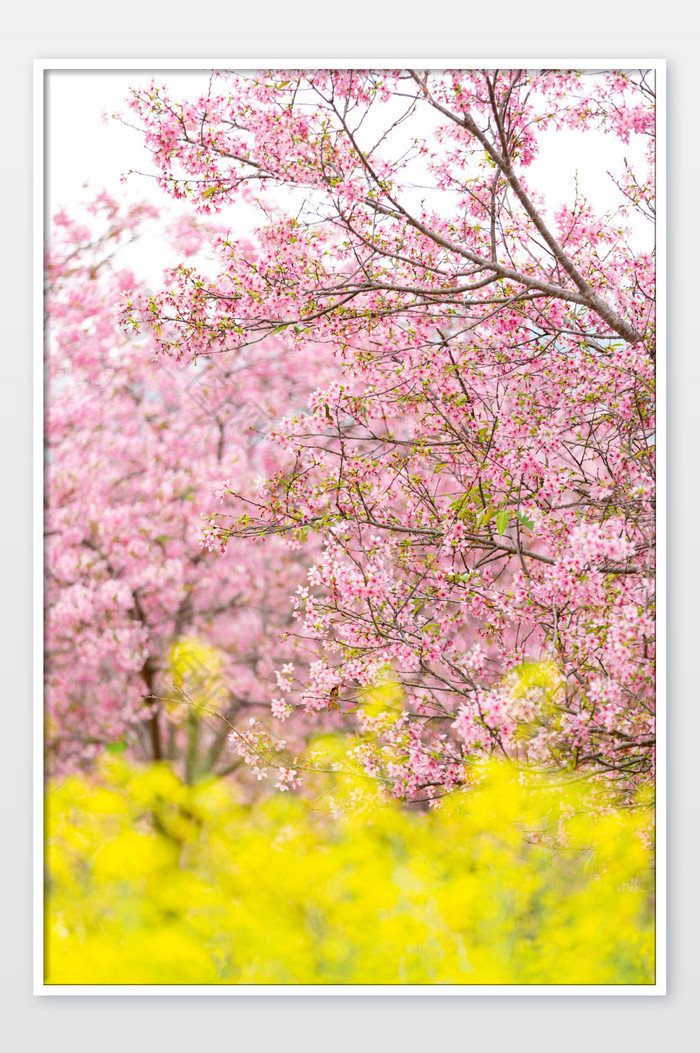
[515, 881]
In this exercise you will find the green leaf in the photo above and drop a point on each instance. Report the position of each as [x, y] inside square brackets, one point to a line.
[524, 520]
[115, 748]
[502, 520]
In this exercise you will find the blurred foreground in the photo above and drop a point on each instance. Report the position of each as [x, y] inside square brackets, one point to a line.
[154, 882]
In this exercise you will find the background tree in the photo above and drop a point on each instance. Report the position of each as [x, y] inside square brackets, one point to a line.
[143, 624]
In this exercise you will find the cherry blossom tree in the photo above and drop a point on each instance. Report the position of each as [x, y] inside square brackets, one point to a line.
[480, 473]
[151, 640]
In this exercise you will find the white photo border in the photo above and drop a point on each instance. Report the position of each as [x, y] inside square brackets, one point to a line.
[41, 68]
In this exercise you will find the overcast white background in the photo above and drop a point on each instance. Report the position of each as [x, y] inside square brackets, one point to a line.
[366, 30]
[86, 149]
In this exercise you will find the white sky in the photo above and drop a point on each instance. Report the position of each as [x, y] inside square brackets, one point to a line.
[81, 148]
